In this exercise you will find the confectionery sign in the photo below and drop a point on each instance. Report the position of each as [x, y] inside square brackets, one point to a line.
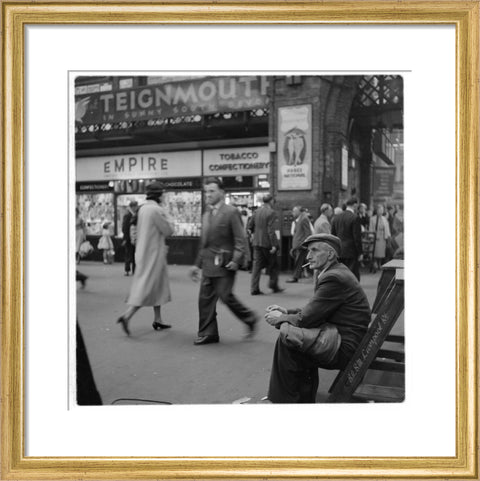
[236, 161]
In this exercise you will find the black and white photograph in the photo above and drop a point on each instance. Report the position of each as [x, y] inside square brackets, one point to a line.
[239, 238]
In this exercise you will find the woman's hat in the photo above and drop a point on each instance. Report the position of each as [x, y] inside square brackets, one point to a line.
[155, 188]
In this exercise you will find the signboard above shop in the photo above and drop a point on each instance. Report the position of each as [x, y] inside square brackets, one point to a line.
[202, 95]
[236, 161]
[139, 166]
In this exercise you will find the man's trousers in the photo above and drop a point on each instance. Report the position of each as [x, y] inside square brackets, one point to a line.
[300, 257]
[263, 258]
[212, 289]
[294, 377]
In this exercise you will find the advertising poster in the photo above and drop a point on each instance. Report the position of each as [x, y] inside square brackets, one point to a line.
[344, 168]
[295, 148]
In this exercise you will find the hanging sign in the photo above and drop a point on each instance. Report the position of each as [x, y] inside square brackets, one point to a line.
[139, 166]
[294, 151]
[344, 167]
[383, 181]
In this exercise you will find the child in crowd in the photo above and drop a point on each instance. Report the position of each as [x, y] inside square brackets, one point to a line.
[105, 243]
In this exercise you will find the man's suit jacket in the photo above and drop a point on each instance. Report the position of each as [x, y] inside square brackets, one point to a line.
[303, 228]
[322, 225]
[347, 227]
[338, 300]
[223, 236]
[126, 221]
[263, 225]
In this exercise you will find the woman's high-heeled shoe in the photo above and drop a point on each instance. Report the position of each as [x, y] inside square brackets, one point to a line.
[124, 323]
[158, 326]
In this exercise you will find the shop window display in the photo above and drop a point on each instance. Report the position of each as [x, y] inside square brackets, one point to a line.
[184, 207]
[246, 200]
[186, 210]
[95, 211]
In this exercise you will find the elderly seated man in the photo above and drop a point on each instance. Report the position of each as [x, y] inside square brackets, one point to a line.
[325, 333]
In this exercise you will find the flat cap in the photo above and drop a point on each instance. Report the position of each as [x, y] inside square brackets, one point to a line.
[154, 188]
[329, 239]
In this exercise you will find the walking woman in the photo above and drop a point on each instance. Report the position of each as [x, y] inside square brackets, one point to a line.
[150, 285]
[80, 235]
[379, 225]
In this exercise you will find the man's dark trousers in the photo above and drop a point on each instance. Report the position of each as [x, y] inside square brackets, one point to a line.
[263, 258]
[212, 289]
[294, 377]
[129, 257]
[300, 257]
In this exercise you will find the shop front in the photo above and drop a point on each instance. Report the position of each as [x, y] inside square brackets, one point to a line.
[245, 172]
[106, 185]
[124, 178]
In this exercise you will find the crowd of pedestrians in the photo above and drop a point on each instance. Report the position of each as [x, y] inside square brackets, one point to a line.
[331, 249]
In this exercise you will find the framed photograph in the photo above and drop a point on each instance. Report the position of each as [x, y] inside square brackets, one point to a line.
[317, 103]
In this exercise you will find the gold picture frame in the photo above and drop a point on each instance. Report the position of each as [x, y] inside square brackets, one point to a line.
[16, 15]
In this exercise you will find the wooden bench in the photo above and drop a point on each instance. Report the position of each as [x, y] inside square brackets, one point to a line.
[352, 384]
[386, 279]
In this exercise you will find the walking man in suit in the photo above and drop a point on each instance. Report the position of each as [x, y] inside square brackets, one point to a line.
[264, 225]
[348, 228]
[222, 248]
[322, 224]
[302, 229]
[129, 246]
[324, 333]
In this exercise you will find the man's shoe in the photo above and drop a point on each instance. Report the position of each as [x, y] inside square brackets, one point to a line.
[290, 281]
[276, 290]
[257, 293]
[201, 340]
[251, 327]
[159, 326]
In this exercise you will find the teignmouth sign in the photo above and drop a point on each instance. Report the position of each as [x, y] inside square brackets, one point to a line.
[188, 97]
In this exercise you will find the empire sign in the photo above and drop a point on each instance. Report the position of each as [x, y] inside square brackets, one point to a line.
[197, 96]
